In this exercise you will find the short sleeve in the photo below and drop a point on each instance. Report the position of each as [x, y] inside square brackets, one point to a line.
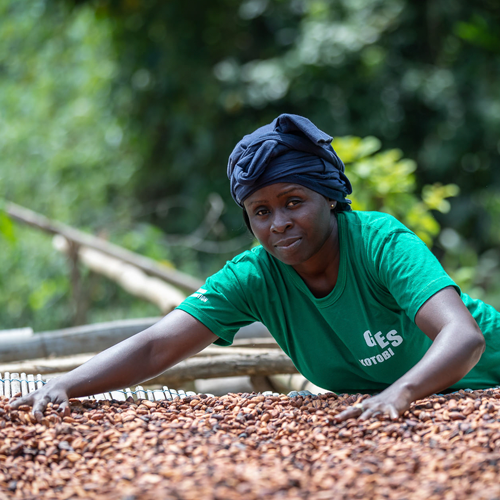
[409, 271]
[220, 304]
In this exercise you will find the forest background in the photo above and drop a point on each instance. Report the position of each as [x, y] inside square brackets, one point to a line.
[117, 117]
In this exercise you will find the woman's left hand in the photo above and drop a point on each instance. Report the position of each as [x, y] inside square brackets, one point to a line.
[392, 402]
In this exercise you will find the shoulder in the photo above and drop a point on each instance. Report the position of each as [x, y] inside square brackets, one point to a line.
[245, 267]
[244, 280]
[372, 223]
[254, 258]
[373, 236]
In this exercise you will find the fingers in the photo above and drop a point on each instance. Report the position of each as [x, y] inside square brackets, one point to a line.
[351, 412]
[364, 412]
[39, 401]
[39, 407]
[393, 413]
[380, 409]
[370, 412]
[15, 402]
[64, 408]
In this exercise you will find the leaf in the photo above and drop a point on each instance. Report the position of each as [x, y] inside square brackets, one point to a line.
[435, 195]
[7, 228]
[385, 181]
[351, 148]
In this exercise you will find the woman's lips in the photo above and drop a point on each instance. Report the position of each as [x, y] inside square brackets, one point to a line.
[287, 243]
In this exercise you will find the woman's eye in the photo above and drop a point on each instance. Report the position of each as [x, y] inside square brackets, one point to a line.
[292, 203]
[261, 212]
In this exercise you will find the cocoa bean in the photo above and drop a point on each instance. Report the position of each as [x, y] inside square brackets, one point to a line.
[253, 446]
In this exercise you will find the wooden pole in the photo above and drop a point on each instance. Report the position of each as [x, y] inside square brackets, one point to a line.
[79, 301]
[265, 364]
[129, 277]
[93, 338]
[75, 340]
[46, 366]
[229, 365]
[149, 266]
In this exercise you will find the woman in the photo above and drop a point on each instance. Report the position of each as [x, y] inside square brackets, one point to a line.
[354, 298]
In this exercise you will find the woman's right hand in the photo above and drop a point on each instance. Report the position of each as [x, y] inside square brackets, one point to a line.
[52, 392]
[140, 357]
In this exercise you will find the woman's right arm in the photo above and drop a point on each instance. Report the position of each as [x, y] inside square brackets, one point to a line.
[134, 360]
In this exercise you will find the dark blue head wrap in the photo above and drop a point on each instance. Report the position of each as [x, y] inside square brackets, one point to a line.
[290, 149]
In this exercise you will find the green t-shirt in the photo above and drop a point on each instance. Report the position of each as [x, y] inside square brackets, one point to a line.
[362, 336]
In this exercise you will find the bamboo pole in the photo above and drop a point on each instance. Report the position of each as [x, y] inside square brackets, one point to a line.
[46, 366]
[95, 338]
[75, 340]
[257, 342]
[149, 266]
[230, 365]
[262, 364]
[270, 363]
[129, 277]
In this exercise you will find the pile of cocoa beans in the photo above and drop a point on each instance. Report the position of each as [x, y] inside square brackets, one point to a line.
[251, 446]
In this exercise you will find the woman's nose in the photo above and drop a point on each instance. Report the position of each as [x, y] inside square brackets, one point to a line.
[281, 222]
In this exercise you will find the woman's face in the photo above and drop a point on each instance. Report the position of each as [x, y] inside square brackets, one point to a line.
[292, 222]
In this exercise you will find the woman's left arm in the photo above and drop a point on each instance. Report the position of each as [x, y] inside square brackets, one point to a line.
[458, 343]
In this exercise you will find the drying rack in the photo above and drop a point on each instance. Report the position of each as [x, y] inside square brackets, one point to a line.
[15, 383]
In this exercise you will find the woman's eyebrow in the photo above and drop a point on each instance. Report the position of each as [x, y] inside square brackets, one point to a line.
[284, 193]
[288, 191]
[256, 202]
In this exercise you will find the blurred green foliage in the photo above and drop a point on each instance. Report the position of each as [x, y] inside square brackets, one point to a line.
[64, 153]
[421, 76]
[385, 181]
[112, 110]
[61, 145]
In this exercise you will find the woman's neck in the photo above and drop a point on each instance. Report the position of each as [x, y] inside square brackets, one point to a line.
[320, 272]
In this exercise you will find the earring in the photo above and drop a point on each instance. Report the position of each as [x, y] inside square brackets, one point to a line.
[333, 205]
